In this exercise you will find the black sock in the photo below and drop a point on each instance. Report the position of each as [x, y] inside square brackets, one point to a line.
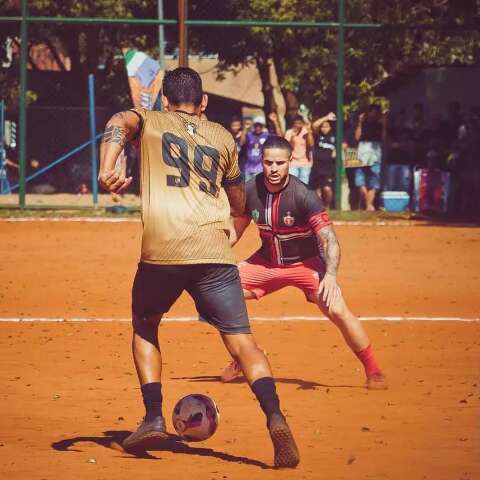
[266, 393]
[152, 398]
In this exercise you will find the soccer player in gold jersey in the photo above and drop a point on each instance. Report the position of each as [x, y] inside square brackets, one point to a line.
[190, 185]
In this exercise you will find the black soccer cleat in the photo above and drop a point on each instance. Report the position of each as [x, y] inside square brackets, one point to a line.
[146, 432]
[285, 449]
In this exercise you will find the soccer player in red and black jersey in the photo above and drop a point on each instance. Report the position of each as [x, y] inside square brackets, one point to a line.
[299, 248]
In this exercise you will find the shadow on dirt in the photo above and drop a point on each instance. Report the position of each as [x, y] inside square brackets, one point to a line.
[174, 444]
[302, 384]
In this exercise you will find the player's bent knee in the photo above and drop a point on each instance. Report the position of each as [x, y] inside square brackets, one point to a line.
[141, 323]
[337, 312]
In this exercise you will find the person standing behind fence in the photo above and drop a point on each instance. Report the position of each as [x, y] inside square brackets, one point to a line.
[236, 129]
[371, 132]
[321, 139]
[253, 147]
[301, 165]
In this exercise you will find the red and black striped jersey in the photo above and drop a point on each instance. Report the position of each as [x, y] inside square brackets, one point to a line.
[287, 220]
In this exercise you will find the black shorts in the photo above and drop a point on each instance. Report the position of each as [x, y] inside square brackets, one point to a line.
[321, 180]
[215, 289]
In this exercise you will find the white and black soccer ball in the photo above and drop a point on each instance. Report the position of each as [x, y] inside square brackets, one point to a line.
[195, 417]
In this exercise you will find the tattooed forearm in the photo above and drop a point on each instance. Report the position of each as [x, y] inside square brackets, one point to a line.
[115, 134]
[237, 198]
[331, 249]
[119, 116]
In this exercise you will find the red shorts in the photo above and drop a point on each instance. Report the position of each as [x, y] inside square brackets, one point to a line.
[261, 278]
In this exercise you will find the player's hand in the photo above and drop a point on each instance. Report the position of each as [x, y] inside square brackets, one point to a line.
[329, 290]
[114, 181]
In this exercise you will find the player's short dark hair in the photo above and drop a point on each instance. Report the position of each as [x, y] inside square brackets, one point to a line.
[274, 141]
[298, 118]
[183, 85]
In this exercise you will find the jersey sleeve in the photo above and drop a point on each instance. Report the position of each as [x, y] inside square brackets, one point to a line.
[232, 174]
[316, 214]
[142, 115]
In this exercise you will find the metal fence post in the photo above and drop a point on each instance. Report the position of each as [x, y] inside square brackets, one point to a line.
[182, 33]
[4, 183]
[22, 134]
[340, 90]
[93, 133]
[2, 123]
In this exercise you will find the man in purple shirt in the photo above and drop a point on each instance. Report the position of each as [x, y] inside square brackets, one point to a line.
[253, 148]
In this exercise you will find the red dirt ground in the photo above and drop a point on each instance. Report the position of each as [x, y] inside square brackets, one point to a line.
[70, 393]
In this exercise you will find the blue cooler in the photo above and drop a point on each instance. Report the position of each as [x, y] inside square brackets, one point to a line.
[395, 201]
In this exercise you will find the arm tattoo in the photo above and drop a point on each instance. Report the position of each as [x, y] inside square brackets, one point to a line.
[119, 116]
[328, 240]
[237, 198]
[115, 134]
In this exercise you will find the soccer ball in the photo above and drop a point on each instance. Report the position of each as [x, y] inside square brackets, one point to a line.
[195, 417]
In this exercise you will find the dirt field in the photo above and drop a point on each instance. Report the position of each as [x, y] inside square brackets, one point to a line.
[70, 394]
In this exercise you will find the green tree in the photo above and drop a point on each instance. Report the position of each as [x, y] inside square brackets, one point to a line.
[305, 58]
[90, 48]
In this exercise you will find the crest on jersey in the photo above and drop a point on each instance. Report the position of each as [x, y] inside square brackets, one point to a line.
[255, 215]
[191, 129]
[289, 219]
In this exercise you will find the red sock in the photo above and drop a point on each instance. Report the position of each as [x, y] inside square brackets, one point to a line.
[367, 357]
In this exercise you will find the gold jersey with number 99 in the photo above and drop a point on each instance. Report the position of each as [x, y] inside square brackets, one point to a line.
[184, 162]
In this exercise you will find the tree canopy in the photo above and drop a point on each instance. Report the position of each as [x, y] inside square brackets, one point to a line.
[304, 58]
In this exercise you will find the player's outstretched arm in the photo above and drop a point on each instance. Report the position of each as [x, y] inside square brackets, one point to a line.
[120, 129]
[237, 198]
[328, 286]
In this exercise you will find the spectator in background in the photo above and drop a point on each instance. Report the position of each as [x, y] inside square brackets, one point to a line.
[399, 136]
[454, 121]
[351, 142]
[466, 154]
[321, 140]
[300, 165]
[276, 128]
[371, 132]
[247, 124]
[235, 128]
[419, 135]
[253, 147]
[437, 143]
[238, 133]
[12, 168]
